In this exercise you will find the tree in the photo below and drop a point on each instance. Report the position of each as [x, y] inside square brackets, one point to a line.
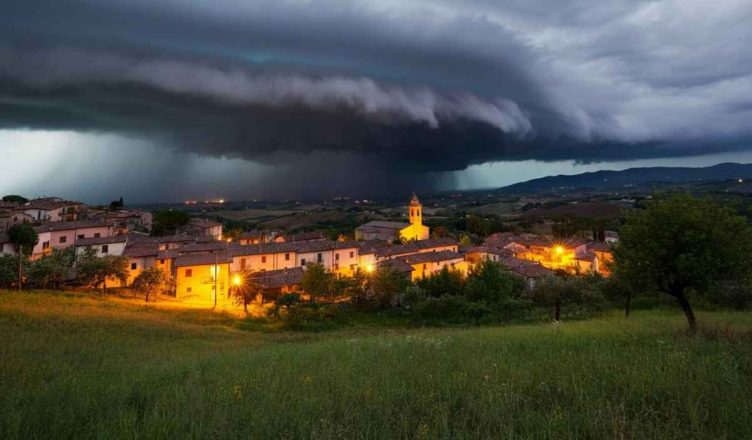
[13, 198]
[385, 283]
[244, 289]
[554, 292]
[53, 269]
[24, 237]
[681, 245]
[8, 270]
[167, 221]
[95, 271]
[152, 280]
[489, 283]
[446, 282]
[115, 204]
[316, 280]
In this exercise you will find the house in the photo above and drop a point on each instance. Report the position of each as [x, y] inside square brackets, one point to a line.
[258, 237]
[6, 247]
[202, 226]
[103, 246]
[274, 283]
[301, 237]
[52, 209]
[63, 234]
[126, 219]
[340, 257]
[529, 271]
[392, 231]
[199, 277]
[569, 255]
[263, 257]
[10, 217]
[426, 264]
[475, 254]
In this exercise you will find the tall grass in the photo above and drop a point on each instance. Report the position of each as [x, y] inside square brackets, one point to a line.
[72, 366]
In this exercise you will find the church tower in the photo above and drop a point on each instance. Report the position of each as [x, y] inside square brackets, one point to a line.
[415, 211]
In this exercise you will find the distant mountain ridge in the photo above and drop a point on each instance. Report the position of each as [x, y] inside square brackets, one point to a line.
[631, 176]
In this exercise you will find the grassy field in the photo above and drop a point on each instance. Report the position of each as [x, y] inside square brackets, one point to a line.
[81, 366]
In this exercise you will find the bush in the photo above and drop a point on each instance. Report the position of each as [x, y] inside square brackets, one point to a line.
[8, 270]
[307, 316]
[449, 309]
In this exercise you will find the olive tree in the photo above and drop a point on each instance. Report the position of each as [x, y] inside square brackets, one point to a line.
[680, 245]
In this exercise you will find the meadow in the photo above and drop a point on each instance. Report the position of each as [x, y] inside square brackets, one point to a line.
[84, 366]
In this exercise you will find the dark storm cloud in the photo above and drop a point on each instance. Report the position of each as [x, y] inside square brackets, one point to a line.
[378, 91]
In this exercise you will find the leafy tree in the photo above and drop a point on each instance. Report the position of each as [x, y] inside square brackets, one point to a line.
[357, 288]
[555, 292]
[166, 221]
[52, 269]
[385, 284]
[287, 301]
[439, 232]
[681, 245]
[95, 271]
[244, 289]
[152, 280]
[490, 284]
[8, 270]
[13, 198]
[316, 280]
[24, 237]
[446, 282]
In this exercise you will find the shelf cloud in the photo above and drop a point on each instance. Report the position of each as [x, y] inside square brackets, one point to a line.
[395, 91]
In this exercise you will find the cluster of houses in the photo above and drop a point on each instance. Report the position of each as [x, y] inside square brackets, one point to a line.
[203, 263]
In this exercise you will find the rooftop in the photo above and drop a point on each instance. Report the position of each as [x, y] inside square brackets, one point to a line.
[430, 257]
[203, 259]
[274, 279]
[101, 240]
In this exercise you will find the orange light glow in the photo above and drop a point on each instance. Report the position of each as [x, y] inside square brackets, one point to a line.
[559, 250]
[236, 280]
[369, 268]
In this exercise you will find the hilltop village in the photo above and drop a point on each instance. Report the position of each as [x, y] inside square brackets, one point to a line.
[202, 260]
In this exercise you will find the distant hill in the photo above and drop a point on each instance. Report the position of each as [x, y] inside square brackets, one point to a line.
[600, 180]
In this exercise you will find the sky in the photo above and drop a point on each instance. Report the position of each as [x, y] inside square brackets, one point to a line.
[165, 100]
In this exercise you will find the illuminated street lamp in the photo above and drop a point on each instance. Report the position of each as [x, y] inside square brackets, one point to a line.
[369, 268]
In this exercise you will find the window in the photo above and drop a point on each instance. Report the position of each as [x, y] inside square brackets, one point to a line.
[134, 266]
[97, 235]
[319, 257]
[81, 235]
[352, 254]
[302, 261]
[287, 257]
[336, 257]
[352, 267]
[161, 261]
[336, 266]
[105, 248]
[63, 239]
[263, 258]
[188, 273]
[242, 263]
[188, 289]
[45, 245]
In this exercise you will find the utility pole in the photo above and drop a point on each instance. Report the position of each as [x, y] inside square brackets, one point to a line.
[215, 281]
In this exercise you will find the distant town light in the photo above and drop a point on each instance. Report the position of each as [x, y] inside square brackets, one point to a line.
[740, 180]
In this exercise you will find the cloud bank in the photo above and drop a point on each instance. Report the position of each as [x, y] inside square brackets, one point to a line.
[389, 92]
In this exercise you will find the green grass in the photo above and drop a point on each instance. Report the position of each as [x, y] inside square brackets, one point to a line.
[73, 365]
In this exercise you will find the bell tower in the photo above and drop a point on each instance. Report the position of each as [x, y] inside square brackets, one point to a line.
[415, 211]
